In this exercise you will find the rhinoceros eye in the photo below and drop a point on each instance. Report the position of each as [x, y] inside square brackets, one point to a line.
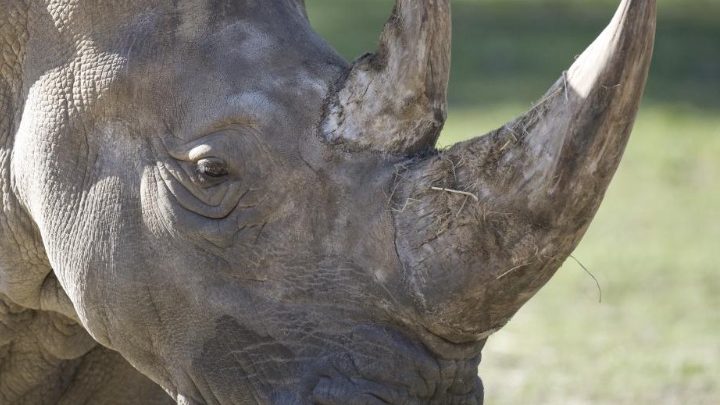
[212, 167]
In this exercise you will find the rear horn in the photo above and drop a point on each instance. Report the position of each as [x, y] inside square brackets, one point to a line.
[395, 100]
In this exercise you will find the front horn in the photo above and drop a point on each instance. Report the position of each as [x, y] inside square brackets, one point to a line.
[483, 226]
[395, 100]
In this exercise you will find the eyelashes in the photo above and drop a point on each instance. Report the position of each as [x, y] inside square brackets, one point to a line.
[209, 175]
[217, 201]
[212, 167]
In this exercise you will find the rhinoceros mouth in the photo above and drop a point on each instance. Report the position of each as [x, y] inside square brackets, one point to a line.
[355, 391]
[389, 368]
[366, 364]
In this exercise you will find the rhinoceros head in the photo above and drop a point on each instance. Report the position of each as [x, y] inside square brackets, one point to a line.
[245, 217]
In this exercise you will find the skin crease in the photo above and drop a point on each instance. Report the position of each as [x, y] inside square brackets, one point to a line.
[190, 214]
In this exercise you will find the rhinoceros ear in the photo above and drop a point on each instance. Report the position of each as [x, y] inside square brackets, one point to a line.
[394, 100]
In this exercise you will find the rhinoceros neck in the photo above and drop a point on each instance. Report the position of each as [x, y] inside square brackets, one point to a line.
[46, 358]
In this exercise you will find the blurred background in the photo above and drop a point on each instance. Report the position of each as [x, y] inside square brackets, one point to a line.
[655, 244]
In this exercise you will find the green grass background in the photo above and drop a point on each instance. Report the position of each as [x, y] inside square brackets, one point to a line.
[655, 244]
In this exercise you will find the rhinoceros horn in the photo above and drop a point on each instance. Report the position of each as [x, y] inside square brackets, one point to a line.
[394, 100]
[483, 225]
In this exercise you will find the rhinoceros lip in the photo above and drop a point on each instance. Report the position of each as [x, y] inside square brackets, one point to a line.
[387, 365]
[451, 350]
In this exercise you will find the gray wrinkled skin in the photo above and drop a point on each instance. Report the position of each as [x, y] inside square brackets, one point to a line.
[202, 203]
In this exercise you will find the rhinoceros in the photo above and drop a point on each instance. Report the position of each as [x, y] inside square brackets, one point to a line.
[203, 203]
